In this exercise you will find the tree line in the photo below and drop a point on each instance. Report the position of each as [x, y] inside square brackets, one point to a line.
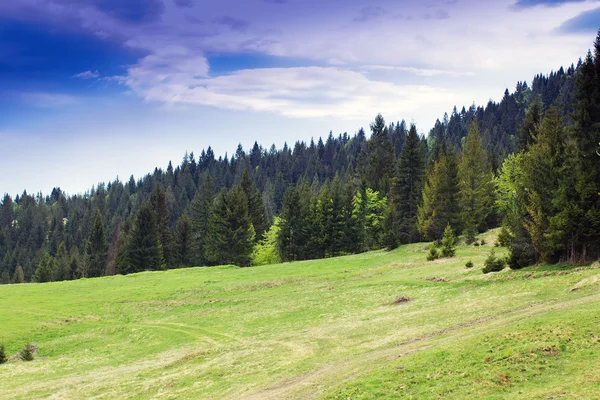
[528, 163]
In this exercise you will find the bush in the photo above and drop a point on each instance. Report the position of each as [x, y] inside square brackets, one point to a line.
[433, 253]
[448, 242]
[493, 264]
[27, 353]
[3, 356]
[504, 237]
[469, 264]
[522, 253]
[476, 244]
[482, 242]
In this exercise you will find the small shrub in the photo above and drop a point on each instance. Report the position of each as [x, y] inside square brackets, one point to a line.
[448, 242]
[27, 353]
[476, 244]
[493, 264]
[504, 237]
[3, 356]
[482, 242]
[469, 264]
[433, 253]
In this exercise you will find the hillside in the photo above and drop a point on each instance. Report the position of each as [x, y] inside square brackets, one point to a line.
[312, 329]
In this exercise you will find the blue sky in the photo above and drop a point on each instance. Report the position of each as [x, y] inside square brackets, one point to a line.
[94, 89]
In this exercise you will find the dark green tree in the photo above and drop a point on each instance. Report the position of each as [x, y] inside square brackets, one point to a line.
[159, 206]
[97, 249]
[184, 241]
[145, 250]
[256, 207]
[381, 157]
[199, 213]
[231, 234]
[440, 197]
[407, 192]
[476, 184]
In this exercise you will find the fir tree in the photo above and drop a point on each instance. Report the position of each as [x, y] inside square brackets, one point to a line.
[476, 185]
[448, 242]
[63, 271]
[184, 241]
[381, 157]
[145, 249]
[440, 197]
[160, 208]
[407, 190]
[199, 212]
[256, 208]
[97, 249]
[231, 235]
[46, 268]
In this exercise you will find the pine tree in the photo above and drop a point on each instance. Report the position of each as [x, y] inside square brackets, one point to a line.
[256, 208]
[113, 249]
[381, 157]
[184, 241]
[46, 268]
[476, 185]
[448, 242]
[63, 272]
[160, 208]
[542, 177]
[97, 249]
[19, 276]
[407, 190]
[440, 197]
[199, 212]
[145, 250]
[231, 235]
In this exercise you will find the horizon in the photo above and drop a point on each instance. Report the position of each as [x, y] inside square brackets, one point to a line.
[142, 82]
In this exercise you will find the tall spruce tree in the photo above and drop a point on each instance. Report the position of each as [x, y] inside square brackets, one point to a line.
[542, 177]
[145, 251]
[440, 197]
[97, 249]
[184, 241]
[381, 157]
[476, 184]
[406, 192]
[199, 212]
[158, 202]
[256, 207]
[231, 234]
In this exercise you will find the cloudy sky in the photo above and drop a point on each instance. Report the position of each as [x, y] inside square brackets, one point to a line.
[95, 89]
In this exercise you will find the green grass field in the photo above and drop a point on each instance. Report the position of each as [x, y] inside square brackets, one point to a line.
[316, 329]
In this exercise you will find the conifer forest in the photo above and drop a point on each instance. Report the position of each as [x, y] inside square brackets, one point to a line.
[529, 164]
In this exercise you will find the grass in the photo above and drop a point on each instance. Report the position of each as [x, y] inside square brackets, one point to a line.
[317, 329]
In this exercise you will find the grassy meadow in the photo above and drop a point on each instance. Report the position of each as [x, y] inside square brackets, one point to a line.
[327, 329]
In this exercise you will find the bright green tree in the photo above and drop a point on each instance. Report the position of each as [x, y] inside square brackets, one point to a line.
[266, 251]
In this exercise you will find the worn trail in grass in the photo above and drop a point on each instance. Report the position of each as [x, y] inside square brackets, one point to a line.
[315, 329]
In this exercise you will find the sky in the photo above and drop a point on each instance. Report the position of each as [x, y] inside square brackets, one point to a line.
[92, 90]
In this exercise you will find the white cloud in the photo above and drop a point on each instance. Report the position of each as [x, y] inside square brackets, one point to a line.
[302, 92]
[87, 75]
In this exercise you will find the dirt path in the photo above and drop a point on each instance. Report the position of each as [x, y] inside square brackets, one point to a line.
[314, 384]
